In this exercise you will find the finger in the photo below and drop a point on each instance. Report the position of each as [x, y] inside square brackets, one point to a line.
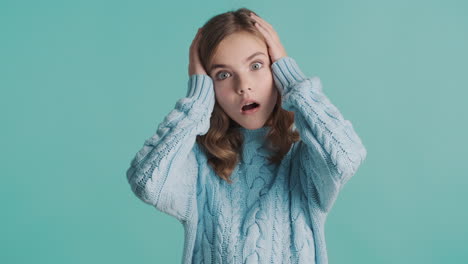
[269, 41]
[265, 32]
[197, 38]
[254, 16]
[270, 30]
[262, 21]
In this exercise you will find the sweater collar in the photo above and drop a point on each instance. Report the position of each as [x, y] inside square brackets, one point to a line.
[255, 134]
[254, 141]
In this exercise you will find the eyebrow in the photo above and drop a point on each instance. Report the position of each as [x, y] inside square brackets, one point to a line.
[214, 66]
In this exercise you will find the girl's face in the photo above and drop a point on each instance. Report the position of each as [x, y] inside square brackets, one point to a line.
[241, 71]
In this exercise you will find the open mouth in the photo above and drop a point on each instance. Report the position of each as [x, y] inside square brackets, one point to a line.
[250, 108]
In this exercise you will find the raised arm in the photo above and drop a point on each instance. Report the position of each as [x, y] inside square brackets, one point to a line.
[164, 171]
[330, 151]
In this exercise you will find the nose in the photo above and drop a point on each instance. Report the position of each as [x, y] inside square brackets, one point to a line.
[241, 91]
[243, 85]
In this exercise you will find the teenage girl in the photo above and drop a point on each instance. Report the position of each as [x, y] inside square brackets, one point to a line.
[252, 159]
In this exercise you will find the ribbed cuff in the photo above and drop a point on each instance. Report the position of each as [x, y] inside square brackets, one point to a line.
[286, 72]
[200, 87]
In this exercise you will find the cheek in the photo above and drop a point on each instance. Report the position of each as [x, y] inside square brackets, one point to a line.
[275, 95]
[219, 93]
[271, 92]
[222, 97]
[265, 81]
[265, 77]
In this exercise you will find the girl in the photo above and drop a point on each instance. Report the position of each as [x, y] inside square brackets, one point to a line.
[228, 161]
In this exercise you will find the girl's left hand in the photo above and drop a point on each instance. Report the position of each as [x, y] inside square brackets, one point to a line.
[275, 48]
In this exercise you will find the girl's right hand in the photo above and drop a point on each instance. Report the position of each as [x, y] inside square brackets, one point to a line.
[195, 66]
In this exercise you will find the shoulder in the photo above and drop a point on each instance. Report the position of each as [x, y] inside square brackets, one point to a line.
[199, 153]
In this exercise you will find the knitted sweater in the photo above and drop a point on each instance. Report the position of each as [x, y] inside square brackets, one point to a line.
[270, 213]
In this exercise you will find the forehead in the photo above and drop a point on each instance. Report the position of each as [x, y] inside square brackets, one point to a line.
[237, 47]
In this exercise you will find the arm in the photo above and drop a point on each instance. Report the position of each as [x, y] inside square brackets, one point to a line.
[164, 171]
[330, 151]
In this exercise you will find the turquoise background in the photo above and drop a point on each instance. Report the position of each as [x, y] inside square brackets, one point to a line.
[84, 83]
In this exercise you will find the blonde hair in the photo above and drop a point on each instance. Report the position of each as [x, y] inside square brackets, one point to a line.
[223, 141]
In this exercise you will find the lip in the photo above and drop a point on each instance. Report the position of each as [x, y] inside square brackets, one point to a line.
[251, 111]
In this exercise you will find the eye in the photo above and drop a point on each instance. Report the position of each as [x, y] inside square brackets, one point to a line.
[220, 74]
[257, 65]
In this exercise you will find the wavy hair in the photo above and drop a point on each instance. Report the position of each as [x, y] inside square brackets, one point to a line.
[223, 142]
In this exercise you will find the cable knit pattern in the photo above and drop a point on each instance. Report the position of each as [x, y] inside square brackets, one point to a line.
[270, 213]
[330, 147]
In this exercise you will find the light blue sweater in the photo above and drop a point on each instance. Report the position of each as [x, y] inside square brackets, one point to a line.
[271, 213]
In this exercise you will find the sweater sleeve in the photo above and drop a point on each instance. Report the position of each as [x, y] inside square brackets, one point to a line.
[329, 151]
[164, 171]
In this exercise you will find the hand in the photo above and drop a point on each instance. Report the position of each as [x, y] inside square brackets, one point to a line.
[275, 48]
[195, 66]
